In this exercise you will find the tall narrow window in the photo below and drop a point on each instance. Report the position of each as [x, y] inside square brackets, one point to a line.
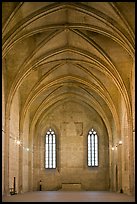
[92, 148]
[50, 147]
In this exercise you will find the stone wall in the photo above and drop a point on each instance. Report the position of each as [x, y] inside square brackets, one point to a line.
[3, 132]
[25, 156]
[71, 122]
[13, 146]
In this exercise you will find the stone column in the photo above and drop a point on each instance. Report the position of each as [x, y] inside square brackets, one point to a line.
[120, 166]
[6, 158]
[20, 165]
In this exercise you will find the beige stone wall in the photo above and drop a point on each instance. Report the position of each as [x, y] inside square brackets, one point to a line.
[71, 123]
[54, 52]
[124, 153]
[3, 163]
[13, 146]
[36, 156]
[3, 133]
[25, 156]
[133, 129]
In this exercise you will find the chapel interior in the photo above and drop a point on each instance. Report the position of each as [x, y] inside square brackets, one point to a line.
[68, 96]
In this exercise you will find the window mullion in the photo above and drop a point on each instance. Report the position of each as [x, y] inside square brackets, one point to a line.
[94, 150]
[45, 152]
[52, 151]
[48, 151]
[91, 148]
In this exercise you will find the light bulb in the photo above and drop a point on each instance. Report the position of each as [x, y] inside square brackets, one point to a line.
[18, 142]
[120, 142]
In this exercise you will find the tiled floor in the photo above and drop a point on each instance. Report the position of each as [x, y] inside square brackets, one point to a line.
[69, 196]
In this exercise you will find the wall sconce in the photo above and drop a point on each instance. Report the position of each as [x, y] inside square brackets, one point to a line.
[120, 142]
[18, 142]
[115, 147]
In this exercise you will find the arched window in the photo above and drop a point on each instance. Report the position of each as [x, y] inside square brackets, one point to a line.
[92, 148]
[50, 147]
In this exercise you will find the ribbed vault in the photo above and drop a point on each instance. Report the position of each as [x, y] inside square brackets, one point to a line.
[67, 51]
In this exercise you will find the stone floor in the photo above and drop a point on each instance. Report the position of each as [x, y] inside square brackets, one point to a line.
[69, 196]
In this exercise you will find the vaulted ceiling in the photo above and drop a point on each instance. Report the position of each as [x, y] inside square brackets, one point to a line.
[58, 51]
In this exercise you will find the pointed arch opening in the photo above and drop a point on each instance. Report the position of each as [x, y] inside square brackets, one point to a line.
[93, 160]
[50, 149]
